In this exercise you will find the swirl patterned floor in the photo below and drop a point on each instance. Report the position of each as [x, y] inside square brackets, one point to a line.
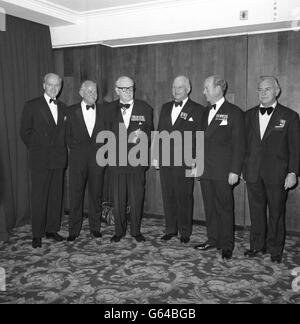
[97, 271]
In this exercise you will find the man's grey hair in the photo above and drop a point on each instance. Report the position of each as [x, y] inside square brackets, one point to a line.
[220, 81]
[87, 83]
[48, 75]
[271, 78]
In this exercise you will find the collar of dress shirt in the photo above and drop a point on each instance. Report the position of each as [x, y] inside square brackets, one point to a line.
[183, 103]
[219, 103]
[47, 98]
[274, 105]
[130, 103]
[84, 104]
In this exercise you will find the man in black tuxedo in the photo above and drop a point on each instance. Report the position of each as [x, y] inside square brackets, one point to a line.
[180, 115]
[270, 168]
[224, 148]
[85, 120]
[43, 132]
[133, 119]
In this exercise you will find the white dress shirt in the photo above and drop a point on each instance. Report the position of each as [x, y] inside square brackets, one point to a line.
[264, 120]
[53, 108]
[126, 114]
[213, 112]
[89, 116]
[177, 110]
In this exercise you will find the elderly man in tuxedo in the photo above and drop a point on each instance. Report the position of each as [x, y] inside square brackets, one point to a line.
[270, 168]
[130, 120]
[85, 120]
[180, 115]
[43, 132]
[224, 147]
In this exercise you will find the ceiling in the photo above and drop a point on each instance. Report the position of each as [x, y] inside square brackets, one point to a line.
[118, 23]
[81, 6]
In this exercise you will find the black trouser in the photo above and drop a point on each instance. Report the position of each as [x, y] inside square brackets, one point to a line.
[177, 193]
[46, 201]
[128, 186]
[219, 211]
[267, 234]
[79, 179]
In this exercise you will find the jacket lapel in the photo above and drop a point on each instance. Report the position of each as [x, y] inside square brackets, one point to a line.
[46, 113]
[81, 122]
[255, 123]
[273, 120]
[183, 114]
[214, 125]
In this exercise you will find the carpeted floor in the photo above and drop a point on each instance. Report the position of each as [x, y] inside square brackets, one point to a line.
[98, 271]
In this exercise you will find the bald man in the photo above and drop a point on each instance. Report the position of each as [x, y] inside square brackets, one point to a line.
[180, 115]
[270, 168]
[135, 118]
[224, 148]
[43, 132]
[85, 120]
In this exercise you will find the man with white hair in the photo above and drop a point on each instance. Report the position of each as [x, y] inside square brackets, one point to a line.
[131, 121]
[43, 132]
[85, 120]
[270, 168]
[181, 115]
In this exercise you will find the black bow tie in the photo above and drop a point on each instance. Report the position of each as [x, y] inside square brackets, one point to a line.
[179, 103]
[53, 100]
[123, 106]
[263, 110]
[90, 106]
[213, 107]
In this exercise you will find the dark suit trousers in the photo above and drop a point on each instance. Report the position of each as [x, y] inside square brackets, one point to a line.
[219, 211]
[177, 193]
[131, 187]
[46, 201]
[79, 179]
[269, 234]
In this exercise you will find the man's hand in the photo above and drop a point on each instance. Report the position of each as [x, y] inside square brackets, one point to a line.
[290, 181]
[233, 179]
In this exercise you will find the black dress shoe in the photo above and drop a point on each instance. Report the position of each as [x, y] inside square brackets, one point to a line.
[36, 242]
[253, 252]
[140, 238]
[204, 246]
[226, 254]
[96, 234]
[116, 238]
[276, 258]
[168, 237]
[72, 238]
[184, 239]
[55, 236]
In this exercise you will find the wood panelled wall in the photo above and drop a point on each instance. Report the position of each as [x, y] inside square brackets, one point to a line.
[240, 59]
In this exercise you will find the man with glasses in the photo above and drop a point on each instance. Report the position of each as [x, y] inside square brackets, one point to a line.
[270, 168]
[131, 120]
[85, 120]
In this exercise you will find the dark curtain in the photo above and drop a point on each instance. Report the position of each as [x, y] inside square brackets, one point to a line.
[25, 57]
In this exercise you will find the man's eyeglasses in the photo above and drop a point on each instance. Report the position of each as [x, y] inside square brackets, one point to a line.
[126, 89]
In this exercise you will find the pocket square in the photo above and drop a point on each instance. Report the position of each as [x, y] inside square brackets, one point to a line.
[191, 119]
[224, 122]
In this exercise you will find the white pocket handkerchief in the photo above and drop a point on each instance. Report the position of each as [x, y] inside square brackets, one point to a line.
[224, 122]
[191, 119]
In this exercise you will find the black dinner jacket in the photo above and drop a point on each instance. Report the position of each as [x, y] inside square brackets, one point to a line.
[224, 145]
[278, 152]
[82, 147]
[141, 118]
[44, 139]
[189, 120]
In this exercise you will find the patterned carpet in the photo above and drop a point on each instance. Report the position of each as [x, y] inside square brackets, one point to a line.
[97, 271]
